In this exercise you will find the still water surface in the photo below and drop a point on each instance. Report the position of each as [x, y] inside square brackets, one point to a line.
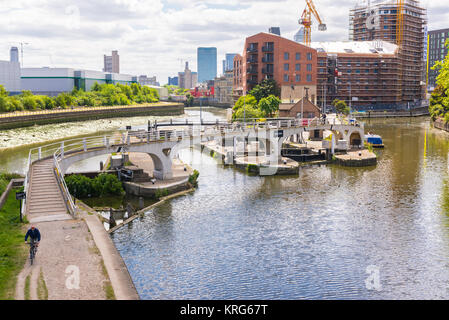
[312, 236]
[309, 236]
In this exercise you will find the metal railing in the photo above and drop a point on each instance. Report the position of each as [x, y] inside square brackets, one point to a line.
[59, 150]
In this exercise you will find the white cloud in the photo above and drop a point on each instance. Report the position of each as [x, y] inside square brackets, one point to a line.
[153, 35]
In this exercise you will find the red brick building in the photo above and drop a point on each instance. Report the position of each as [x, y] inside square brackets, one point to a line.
[268, 56]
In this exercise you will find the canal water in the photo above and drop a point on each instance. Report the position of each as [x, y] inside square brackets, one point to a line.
[328, 233]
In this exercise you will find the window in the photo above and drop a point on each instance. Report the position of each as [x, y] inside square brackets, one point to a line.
[349, 70]
[309, 56]
[286, 56]
[309, 67]
[298, 78]
[298, 56]
[309, 78]
[286, 66]
[297, 67]
[286, 77]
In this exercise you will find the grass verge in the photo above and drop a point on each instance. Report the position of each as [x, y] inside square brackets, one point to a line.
[107, 286]
[27, 288]
[42, 291]
[13, 253]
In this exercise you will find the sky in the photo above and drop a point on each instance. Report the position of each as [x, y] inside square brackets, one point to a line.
[157, 37]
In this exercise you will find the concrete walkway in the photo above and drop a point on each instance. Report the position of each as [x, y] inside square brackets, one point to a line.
[121, 281]
[69, 261]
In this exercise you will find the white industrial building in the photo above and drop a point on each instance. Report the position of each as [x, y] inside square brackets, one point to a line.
[52, 81]
[10, 76]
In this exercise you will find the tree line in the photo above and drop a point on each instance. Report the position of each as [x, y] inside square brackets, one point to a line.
[99, 95]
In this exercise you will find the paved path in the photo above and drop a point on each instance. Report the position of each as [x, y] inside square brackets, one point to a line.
[66, 246]
[45, 201]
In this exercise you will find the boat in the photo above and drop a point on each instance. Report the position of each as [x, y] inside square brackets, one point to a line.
[374, 140]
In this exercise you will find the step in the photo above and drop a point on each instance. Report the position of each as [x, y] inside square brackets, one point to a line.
[49, 218]
[55, 206]
[49, 211]
[44, 201]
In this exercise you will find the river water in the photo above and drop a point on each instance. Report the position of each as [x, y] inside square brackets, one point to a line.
[319, 235]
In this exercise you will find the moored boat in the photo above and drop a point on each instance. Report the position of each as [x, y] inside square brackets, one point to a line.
[374, 140]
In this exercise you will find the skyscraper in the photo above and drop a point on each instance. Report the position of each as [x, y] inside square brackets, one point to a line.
[187, 79]
[229, 62]
[112, 63]
[207, 64]
[14, 54]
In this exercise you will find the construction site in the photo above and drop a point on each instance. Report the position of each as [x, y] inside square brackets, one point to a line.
[380, 67]
[382, 64]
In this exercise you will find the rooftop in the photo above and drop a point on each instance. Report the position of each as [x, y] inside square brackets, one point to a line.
[373, 47]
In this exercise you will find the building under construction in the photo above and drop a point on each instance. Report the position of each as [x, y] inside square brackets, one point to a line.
[401, 22]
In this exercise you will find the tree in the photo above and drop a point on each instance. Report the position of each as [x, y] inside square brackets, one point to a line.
[249, 112]
[3, 92]
[439, 100]
[266, 88]
[246, 101]
[270, 105]
[341, 106]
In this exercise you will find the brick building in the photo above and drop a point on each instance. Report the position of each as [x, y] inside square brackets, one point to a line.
[269, 56]
[364, 74]
[378, 20]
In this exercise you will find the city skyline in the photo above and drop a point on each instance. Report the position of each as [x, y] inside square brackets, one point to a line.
[158, 38]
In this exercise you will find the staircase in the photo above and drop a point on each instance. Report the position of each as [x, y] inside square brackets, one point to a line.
[45, 201]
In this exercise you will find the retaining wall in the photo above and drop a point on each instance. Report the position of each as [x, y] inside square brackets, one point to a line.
[31, 118]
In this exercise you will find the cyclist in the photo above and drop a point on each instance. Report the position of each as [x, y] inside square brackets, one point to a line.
[34, 234]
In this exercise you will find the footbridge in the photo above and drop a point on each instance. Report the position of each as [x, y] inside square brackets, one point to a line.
[48, 198]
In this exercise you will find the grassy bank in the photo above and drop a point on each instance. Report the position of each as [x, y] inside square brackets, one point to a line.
[26, 119]
[13, 253]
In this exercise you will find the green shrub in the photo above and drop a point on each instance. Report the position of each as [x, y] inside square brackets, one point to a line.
[107, 184]
[161, 193]
[102, 185]
[193, 178]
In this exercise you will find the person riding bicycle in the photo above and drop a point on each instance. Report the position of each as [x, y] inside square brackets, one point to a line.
[34, 234]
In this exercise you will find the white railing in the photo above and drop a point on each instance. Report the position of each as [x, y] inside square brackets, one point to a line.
[58, 150]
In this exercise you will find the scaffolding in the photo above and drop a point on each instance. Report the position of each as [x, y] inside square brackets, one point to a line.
[401, 22]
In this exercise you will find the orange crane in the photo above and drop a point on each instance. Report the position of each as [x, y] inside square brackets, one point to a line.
[399, 22]
[306, 21]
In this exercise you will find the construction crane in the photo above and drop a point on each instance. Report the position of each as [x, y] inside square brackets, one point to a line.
[306, 21]
[399, 22]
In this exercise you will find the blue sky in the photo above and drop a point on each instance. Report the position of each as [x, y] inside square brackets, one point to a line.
[156, 37]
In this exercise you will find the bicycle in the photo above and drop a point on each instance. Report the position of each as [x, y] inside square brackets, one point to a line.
[33, 250]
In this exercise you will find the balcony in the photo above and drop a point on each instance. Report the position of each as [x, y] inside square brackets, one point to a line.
[252, 49]
[268, 59]
[251, 81]
[267, 48]
[267, 71]
[251, 70]
[251, 60]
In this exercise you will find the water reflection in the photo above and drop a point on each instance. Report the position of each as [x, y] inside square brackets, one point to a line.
[309, 236]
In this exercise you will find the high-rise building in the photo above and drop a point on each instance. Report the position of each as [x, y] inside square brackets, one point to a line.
[437, 52]
[378, 20]
[112, 63]
[187, 79]
[229, 62]
[207, 63]
[14, 54]
[173, 81]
